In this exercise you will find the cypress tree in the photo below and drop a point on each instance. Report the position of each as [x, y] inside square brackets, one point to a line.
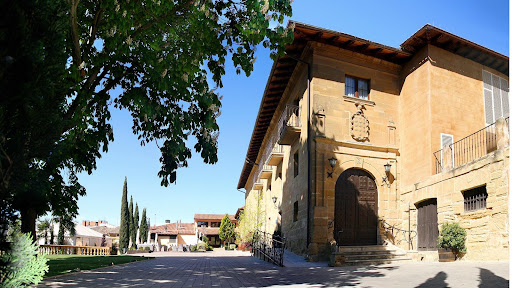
[132, 226]
[136, 222]
[227, 229]
[143, 230]
[60, 235]
[124, 228]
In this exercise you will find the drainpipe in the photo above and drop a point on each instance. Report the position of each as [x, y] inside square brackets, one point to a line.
[308, 143]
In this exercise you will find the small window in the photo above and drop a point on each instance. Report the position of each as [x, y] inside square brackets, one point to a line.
[202, 224]
[357, 87]
[296, 164]
[495, 97]
[295, 211]
[475, 199]
[215, 224]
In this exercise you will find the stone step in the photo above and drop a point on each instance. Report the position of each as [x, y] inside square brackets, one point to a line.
[393, 252]
[364, 248]
[374, 257]
[377, 261]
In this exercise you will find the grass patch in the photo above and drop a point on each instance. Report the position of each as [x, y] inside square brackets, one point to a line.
[62, 264]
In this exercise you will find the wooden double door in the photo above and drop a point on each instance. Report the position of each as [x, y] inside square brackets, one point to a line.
[428, 230]
[355, 220]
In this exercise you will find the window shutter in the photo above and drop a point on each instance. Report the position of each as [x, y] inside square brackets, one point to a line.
[487, 80]
[504, 97]
[489, 115]
[446, 139]
[498, 112]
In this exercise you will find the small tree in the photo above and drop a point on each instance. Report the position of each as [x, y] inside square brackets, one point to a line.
[124, 227]
[20, 265]
[453, 237]
[103, 241]
[143, 230]
[130, 222]
[136, 224]
[251, 219]
[227, 229]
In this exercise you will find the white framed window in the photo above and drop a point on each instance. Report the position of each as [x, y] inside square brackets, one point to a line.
[495, 97]
[446, 139]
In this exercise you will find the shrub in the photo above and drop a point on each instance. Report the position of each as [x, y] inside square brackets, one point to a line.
[113, 251]
[201, 246]
[147, 249]
[204, 239]
[21, 265]
[140, 248]
[193, 248]
[209, 248]
[453, 237]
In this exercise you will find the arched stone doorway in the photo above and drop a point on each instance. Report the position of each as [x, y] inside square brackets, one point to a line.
[355, 215]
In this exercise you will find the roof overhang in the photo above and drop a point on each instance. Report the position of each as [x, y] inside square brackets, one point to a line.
[284, 66]
[429, 34]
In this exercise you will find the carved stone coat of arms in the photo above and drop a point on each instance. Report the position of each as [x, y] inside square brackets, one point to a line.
[360, 126]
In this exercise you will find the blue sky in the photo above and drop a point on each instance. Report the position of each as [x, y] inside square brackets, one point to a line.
[203, 188]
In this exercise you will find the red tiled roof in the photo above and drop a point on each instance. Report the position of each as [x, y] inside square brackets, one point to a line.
[212, 217]
[209, 231]
[171, 229]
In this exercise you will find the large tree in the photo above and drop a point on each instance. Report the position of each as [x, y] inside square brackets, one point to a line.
[63, 59]
[124, 225]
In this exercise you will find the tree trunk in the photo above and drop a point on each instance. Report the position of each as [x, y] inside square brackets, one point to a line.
[28, 222]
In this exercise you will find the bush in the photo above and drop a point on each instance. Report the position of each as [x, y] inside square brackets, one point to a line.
[113, 251]
[453, 237]
[193, 248]
[209, 248]
[20, 265]
[140, 248]
[201, 247]
[147, 249]
[204, 239]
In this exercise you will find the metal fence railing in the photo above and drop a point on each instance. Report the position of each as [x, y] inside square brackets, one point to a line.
[471, 147]
[289, 118]
[268, 247]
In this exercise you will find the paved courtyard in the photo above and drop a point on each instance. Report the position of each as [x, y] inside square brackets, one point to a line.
[239, 269]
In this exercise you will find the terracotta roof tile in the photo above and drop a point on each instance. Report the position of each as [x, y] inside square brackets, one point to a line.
[171, 229]
[212, 217]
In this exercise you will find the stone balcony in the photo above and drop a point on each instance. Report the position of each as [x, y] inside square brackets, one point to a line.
[289, 125]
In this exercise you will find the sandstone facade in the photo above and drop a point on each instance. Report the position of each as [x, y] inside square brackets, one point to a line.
[414, 98]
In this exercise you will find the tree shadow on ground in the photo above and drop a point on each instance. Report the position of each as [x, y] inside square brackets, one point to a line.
[206, 271]
[489, 279]
[437, 281]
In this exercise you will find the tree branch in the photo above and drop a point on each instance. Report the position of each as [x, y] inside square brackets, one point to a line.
[77, 54]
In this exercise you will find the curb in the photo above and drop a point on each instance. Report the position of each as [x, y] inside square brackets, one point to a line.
[94, 269]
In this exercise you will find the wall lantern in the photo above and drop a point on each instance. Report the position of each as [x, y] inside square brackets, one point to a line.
[332, 163]
[387, 169]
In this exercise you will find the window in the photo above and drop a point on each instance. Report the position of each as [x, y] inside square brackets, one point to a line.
[215, 224]
[296, 164]
[475, 199]
[202, 224]
[357, 87]
[295, 211]
[446, 139]
[495, 97]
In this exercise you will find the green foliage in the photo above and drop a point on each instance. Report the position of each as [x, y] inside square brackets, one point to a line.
[147, 249]
[227, 229]
[113, 250]
[63, 59]
[43, 229]
[193, 248]
[124, 227]
[452, 236]
[136, 222]
[209, 248]
[133, 232]
[201, 247]
[21, 265]
[143, 229]
[204, 239]
[250, 219]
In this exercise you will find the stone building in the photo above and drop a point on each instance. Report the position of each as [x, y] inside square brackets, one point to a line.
[361, 144]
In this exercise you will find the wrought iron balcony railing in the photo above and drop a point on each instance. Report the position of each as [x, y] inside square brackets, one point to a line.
[289, 125]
